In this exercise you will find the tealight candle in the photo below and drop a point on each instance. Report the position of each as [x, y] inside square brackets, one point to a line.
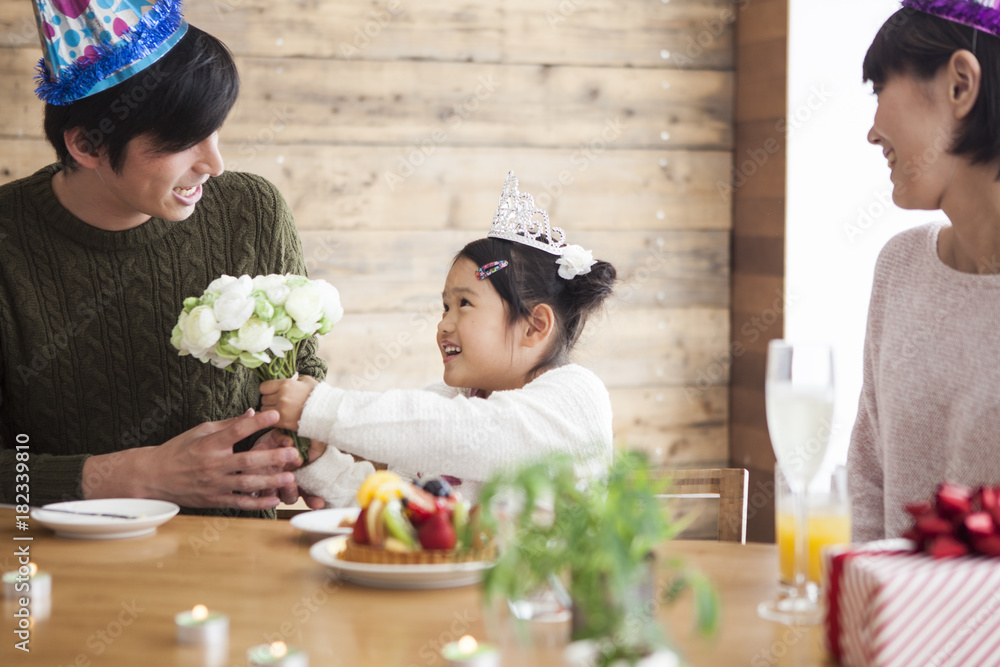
[27, 582]
[199, 626]
[276, 654]
[467, 652]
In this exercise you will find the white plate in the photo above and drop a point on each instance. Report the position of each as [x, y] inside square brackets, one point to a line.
[407, 577]
[149, 513]
[327, 522]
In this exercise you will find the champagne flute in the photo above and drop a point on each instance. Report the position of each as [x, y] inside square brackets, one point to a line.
[799, 397]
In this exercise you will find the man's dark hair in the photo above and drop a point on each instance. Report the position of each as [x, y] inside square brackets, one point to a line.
[919, 44]
[178, 102]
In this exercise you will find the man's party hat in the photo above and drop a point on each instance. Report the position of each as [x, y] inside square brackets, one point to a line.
[89, 46]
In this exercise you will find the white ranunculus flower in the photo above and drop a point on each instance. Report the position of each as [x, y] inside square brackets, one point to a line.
[305, 306]
[220, 282]
[575, 261]
[332, 308]
[279, 345]
[274, 288]
[234, 305]
[254, 336]
[199, 329]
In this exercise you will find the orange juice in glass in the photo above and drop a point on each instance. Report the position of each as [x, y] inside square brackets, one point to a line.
[828, 523]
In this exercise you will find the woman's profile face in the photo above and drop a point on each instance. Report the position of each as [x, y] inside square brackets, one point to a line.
[914, 126]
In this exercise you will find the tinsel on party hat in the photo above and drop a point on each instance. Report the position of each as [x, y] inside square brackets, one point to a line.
[89, 46]
[980, 14]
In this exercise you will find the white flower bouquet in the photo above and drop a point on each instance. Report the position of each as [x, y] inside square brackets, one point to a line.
[258, 323]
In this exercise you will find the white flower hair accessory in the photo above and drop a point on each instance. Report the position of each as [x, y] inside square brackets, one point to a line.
[575, 261]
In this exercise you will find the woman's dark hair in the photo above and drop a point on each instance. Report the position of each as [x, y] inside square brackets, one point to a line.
[531, 279]
[919, 44]
[178, 102]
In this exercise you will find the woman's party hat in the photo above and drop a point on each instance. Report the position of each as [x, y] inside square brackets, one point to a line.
[89, 46]
[981, 14]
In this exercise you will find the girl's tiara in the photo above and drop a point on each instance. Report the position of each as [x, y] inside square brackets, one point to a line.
[518, 219]
[980, 14]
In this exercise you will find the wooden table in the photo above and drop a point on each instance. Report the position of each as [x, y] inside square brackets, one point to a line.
[113, 603]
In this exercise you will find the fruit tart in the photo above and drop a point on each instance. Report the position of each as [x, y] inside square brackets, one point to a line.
[403, 523]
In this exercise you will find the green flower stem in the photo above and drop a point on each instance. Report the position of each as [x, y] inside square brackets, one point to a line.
[301, 444]
[283, 368]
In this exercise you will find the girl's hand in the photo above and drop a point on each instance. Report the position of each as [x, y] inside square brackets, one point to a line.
[288, 397]
[316, 450]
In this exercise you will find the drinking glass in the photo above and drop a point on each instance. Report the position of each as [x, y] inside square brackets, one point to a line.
[828, 518]
[798, 392]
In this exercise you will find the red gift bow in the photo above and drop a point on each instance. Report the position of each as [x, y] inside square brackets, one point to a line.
[957, 522]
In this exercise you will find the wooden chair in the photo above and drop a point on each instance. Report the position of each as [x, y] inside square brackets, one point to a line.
[729, 485]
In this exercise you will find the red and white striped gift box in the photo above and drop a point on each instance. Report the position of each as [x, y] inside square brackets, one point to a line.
[890, 607]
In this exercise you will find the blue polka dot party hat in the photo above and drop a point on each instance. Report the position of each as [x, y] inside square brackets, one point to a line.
[89, 46]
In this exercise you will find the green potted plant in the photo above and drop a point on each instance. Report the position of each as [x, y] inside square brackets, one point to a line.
[596, 537]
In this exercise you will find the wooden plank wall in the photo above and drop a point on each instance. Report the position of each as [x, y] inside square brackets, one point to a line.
[390, 125]
[758, 243]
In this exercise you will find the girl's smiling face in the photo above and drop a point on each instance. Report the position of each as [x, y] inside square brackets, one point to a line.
[479, 348]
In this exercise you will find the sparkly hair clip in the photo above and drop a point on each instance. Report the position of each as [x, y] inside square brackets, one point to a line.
[487, 270]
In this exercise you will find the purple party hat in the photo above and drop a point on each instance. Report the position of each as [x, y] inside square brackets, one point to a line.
[980, 14]
[91, 45]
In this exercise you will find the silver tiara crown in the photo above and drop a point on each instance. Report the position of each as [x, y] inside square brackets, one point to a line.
[517, 219]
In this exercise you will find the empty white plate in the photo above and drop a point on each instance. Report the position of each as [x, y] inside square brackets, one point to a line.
[92, 520]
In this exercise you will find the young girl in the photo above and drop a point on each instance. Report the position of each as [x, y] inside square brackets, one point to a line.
[515, 303]
[929, 411]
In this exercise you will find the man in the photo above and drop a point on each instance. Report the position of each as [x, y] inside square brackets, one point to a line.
[97, 254]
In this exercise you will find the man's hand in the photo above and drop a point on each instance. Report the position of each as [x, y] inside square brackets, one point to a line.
[198, 468]
[290, 494]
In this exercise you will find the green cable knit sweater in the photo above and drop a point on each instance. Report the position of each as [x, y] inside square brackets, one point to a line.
[86, 365]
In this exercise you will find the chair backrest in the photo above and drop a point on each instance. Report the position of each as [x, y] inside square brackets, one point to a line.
[728, 484]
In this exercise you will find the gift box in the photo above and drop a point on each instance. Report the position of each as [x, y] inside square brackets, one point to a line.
[891, 607]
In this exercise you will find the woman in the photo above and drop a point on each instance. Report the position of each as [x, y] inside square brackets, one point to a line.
[929, 408]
